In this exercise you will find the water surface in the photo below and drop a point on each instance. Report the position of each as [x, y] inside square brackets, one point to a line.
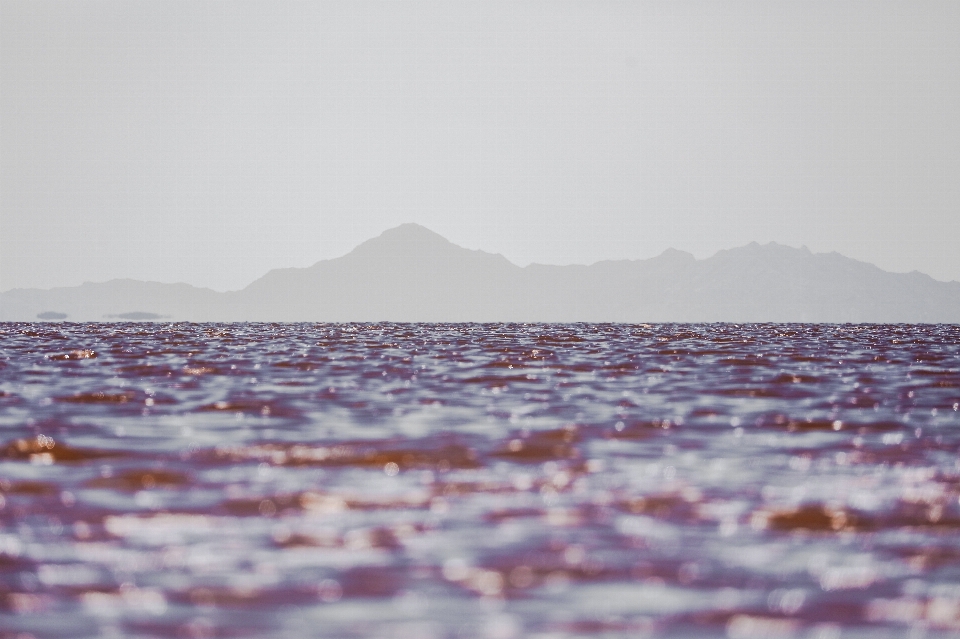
[495, 481]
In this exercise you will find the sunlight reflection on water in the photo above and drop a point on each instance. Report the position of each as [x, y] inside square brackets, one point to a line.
[414, 480]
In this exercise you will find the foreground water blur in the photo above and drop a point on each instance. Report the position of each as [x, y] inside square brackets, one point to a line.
[490, 481]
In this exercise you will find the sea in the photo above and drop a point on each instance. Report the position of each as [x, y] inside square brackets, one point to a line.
[490, 481]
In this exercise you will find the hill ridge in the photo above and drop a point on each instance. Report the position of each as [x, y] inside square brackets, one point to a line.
[411, 273]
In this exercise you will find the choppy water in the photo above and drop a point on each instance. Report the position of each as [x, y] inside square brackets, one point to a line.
[498, 481]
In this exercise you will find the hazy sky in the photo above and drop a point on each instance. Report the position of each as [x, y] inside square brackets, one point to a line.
[209, 142]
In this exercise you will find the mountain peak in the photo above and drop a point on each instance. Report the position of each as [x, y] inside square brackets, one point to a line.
[407, 241]
[411, 232]
[406, 238]
[677, 255]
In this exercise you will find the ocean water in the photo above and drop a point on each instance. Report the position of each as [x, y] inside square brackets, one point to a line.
[493, 481]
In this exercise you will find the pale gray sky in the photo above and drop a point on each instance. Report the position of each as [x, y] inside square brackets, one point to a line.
[209, 142]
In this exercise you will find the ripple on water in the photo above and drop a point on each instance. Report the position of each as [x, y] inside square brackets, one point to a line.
[483, 480]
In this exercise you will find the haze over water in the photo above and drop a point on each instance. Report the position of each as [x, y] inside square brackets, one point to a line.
[479, 480]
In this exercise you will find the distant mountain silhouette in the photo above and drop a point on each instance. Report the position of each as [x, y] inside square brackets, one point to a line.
[410, 273]
[138, 315]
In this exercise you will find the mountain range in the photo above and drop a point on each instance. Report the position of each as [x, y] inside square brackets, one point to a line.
[410, 273]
